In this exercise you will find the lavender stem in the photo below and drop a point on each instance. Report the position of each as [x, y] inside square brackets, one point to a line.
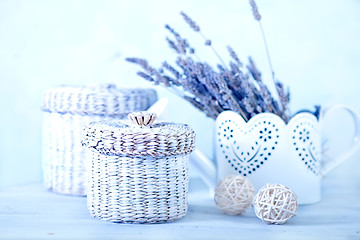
[214, 51]
[267, 51]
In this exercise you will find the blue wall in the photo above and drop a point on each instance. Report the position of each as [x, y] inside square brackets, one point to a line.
[314, 47]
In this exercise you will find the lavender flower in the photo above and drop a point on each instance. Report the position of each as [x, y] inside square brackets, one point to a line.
[256, 74]
[279, 88]
[191, 23]
[255, 10]
[284, 97]
[196, 28]
[143, 63]
[248, 106]
[145, 76]
[234, 56]
[171, 69]
[228, 87]
[180, 45]
[174, 46]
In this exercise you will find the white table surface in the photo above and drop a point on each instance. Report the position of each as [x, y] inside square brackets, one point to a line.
[30, 212]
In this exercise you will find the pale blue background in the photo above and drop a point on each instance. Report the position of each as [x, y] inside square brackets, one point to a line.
[314, 47]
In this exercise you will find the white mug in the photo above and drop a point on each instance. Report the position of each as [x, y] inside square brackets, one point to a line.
[267, 150]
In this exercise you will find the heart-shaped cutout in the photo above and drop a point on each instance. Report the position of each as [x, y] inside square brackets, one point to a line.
[246, 146]
[305, 138]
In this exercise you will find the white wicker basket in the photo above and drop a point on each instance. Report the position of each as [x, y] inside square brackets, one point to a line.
[138, 174]
[66, 111]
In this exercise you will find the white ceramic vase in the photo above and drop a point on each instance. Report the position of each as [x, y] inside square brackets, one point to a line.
[267, 150]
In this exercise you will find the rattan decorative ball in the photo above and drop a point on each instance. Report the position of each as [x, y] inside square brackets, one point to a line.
[275, 204]
[234, 194]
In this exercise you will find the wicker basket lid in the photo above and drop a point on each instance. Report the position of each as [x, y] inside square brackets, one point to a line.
[139, 139]
[103, 100]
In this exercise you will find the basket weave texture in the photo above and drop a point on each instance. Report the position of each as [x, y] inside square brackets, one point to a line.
[67, 110]
[138, 175]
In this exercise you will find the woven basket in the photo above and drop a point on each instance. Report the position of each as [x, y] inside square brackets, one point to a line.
[66, 111]
[138, 174]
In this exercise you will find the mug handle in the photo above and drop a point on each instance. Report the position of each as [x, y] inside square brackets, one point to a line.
[347, 153]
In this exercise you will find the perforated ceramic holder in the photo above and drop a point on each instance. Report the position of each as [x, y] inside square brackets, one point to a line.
[267, 150]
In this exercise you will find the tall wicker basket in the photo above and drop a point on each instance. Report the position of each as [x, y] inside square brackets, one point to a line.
[66, 112]
[138, 174]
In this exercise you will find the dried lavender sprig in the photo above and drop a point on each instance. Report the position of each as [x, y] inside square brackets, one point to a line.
[284, 98]
[234, 56]
[264, 91]
[210, 91]
[191, 23]
[239, 85]
[145, 76]
[170, 29]
[255, 10]
[202, 81]
[192, 85]
[171, 69]
[256, 74]
[233, 103]
[196, 28]
[249, 106]
[203, 75]
[151, 72]
[221, 87]
[174, 46]
[250, 94]
[143, 63]
[181, 44]
[257, 17]
[169, 82]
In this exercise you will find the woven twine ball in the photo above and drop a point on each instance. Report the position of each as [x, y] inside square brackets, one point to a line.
[275, 204]
[234, 194]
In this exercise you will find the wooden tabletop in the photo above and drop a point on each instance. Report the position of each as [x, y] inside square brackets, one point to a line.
[31, 212]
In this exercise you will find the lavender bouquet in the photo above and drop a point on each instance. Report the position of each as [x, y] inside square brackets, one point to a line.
[230, 86]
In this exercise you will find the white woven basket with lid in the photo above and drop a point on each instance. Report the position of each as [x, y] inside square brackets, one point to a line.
[138, 174]
[66, 111]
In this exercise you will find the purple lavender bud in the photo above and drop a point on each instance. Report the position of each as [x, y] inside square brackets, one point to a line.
[247, 103]
[255, 10]
[221, 68]
[143, 63]
[258, 109]
[208, 42]
[265, 94]
[145, 76]
[173, 45]
[191, 23]
[253, 70]
[234, 68]
[284, 97]
[139, 61]
[185, 43]
[167, 26]
[234, 55]
[171, 69]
